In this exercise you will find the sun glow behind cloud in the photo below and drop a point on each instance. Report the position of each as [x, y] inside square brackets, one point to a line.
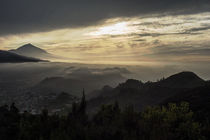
[134, 40]
[120, 28]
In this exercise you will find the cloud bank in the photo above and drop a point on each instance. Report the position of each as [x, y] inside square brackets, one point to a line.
[24, 16]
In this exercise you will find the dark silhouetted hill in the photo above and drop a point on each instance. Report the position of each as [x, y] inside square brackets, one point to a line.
[144, 94]
[182, 80]
[9, 57]
[73, 85]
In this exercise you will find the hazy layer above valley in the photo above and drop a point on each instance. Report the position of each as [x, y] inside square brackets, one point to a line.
[39, 71]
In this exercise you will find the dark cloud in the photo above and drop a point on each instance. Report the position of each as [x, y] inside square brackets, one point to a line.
[193, 31]
[89, 71]
[19, 16]
[141, 36]
[153, 34]
[140, 40]
[181, 50]
[86, 48]
[157, 23]
[120, 46]
[156, 42]
[198, 29]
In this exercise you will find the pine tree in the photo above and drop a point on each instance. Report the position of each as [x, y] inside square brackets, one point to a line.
[82, 107]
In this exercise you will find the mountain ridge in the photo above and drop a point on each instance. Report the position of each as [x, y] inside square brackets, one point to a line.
[144, 94]
[30, 50]
[185, 79]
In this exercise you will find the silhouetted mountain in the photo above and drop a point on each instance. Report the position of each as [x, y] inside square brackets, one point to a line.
[131, 83]
[32, 51]
[182, 80]
[74, 84]
[143, 94]
[29, 48]
[9, 57]
[102, 92]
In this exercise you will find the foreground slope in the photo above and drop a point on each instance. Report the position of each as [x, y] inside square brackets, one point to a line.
[199, 99]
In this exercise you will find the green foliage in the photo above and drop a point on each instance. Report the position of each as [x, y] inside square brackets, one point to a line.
[172, 122]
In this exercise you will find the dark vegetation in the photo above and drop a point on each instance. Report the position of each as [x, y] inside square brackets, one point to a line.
[169, 122]
[198, 98]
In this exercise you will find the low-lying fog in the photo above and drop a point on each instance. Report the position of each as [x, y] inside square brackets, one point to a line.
[35, 72]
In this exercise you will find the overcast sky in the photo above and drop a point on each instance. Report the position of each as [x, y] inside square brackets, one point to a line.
[111, 31]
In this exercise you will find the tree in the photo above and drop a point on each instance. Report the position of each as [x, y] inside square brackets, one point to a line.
[82, 106]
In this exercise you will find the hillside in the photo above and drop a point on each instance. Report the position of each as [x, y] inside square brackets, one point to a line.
[74, 84]
[144, 94]
[9, 57]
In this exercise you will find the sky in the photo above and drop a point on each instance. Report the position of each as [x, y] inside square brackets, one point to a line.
[132, 32]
